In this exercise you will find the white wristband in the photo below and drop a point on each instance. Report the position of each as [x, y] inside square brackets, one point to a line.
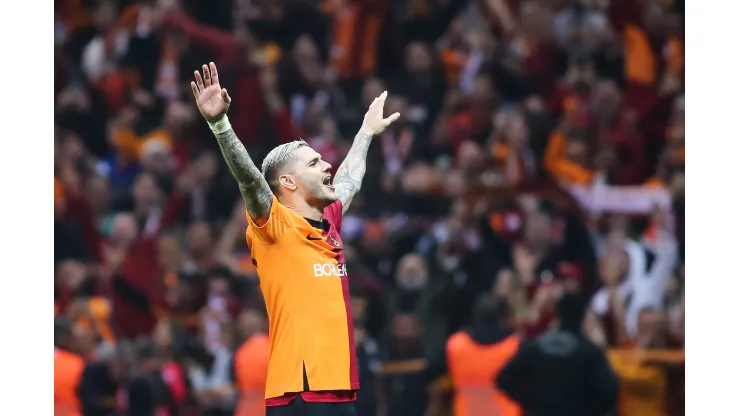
[221, 126]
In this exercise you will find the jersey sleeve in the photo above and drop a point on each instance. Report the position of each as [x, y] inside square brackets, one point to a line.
[333, 213]
[278, 220]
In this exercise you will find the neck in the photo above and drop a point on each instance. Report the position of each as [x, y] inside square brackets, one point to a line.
[303, 209]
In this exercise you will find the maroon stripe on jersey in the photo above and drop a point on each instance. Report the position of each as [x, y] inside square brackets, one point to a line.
[354, 376]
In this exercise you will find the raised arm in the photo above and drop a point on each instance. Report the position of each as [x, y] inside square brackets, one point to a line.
[348, 180]
[213, 103]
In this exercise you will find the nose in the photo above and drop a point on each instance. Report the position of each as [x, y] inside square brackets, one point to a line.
[327, 166]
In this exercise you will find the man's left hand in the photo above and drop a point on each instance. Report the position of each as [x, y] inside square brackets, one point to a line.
[374, 123]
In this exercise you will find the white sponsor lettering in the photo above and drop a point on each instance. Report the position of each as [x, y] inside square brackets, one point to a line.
[329, 269]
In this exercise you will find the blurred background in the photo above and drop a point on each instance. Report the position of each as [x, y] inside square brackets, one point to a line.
[540, 150]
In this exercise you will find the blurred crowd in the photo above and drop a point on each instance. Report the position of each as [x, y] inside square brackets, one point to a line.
[540, 150]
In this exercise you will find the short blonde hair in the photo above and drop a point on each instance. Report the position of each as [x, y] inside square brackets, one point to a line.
[277, 160]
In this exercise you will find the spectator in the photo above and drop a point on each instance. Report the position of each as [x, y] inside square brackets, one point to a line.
[561, 372]
[220, 310]
[368, 362]
[474, 357]
[404, 393]
[608, 302]
[148, 394]
[167, 336]
[423, 295]
[210, 378]
[105, 379]
[509, 288]
[422, 83]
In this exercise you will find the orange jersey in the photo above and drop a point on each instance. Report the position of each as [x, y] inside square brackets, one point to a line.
[68, 369]
[304, 282]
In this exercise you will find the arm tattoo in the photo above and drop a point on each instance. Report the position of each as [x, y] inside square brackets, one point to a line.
[252, 184]
[349, 175]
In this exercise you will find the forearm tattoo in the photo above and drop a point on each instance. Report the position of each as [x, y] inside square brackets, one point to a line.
[252, 184]
[349, 175]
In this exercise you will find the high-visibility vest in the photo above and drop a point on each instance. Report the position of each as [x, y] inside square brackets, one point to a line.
[67, 373]
[473, 368]
[250, 365]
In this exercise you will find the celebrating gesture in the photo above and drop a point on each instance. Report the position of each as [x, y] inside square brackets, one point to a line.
[213, 101]
[348, 178]
[374, 123]
[294, 210]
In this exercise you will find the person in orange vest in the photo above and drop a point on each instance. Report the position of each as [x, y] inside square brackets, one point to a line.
[68, 367]
[250, 363]
[561, 372]
[474, 358]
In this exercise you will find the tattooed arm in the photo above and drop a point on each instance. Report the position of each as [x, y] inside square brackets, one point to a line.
[213, 103]
[252, 184]
[348, 180]
[349, 175]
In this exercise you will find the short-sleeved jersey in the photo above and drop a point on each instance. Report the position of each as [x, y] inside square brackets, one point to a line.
[303, 279]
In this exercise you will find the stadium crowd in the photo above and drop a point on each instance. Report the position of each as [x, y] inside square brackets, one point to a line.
[540, 151]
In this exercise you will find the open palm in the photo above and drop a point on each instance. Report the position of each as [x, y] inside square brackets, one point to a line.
[374, 123]
[213, 101]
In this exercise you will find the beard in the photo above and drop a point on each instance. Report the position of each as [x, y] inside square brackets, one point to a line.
[320, 196]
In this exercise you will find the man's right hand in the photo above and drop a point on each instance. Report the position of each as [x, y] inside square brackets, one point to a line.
[213, 101]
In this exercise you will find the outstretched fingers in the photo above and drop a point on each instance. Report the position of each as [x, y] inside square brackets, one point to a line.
[199, 82]
[194, 87]
[381, 98]
[207, 76]
[390, 119]
[214, 74]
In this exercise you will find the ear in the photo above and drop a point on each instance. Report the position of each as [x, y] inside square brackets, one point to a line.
[288, 182]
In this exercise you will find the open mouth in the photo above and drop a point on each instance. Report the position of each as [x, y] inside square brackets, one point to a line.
[327, 182]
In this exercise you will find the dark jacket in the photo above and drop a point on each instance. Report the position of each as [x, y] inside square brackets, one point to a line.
[97, 390]
[560, 373]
